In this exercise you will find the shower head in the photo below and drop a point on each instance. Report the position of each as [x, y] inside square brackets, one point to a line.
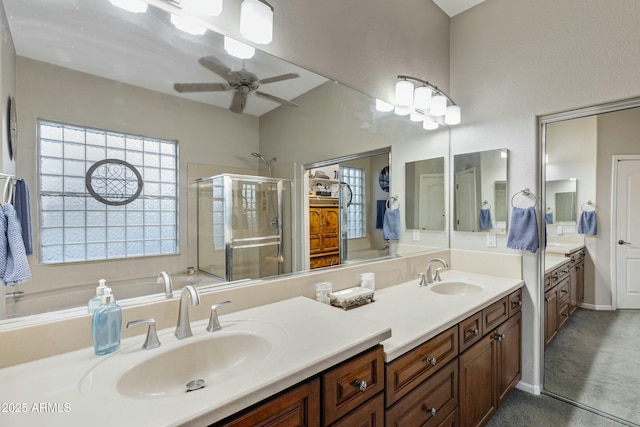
[261, 157]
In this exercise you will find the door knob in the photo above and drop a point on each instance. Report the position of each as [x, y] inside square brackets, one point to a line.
[622, 242]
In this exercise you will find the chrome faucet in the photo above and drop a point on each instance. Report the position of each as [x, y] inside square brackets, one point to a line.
[183, 328]
[430, 276]
[163, 277]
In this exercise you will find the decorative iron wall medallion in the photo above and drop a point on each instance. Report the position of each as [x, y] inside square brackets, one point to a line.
[113, 182]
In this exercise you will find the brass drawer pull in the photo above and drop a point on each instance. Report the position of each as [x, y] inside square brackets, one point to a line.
[474, 331]
[361, 385]
[432, 411]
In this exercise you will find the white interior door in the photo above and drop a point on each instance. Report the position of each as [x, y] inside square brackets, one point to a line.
[627, 238]
[466, 205]
[431, 211]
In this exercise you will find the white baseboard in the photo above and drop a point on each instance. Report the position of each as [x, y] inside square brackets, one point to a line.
[596, 307]
[531, 389]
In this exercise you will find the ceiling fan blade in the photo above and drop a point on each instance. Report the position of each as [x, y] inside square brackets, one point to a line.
[201, 87]
[275, 98]
[211, 63]
[239, 101]
[278, 78]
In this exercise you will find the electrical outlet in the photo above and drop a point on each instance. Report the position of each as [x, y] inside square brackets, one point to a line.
[416, 235]
[560, 230]
[491, 240]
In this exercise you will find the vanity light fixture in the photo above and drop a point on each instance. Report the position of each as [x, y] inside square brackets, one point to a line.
[425, 103]
[188, 25]
[203, 7]
[256, 21]
[238, 49]
[135, 6]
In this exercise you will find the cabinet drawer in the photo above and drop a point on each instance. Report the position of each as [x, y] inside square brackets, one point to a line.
[564, 290]
[409, 370]
[547, 282]
[495, 314]
[563, 313]
[515, 302]
[342, 386]
[559, 274]
[470, 330]
[451, 420]
[371, 414]
[324, 261]
[430, 403]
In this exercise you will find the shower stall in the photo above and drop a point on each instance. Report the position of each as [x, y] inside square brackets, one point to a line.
[244, 226]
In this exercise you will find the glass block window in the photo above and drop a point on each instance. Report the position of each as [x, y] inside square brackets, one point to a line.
[356, 214]
[75, 226]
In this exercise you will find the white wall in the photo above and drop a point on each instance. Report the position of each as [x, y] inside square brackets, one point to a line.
[512, 60]
[7, 89]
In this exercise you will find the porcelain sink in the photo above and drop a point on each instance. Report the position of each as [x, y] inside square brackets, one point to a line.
[456, 288]
[206, 360]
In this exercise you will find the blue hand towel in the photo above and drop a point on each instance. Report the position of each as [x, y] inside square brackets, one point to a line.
[381, 206]
[21, 203]
[391, 224]
[588, 223]
[17, 270]
[548, 218]
[523, 230]
[485, 218]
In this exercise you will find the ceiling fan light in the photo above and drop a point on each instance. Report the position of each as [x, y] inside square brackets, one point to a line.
[422, 98]
[203, 7]
[188, 25]
[256, 21]
[135, 6]
[383, 106]
[404, 93]
[402, 111]
[438, 105]
[429, 124]
[238, 49]
[452, 116]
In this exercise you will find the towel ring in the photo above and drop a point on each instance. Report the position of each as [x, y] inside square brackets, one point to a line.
[588, 203]
[485, 203]
[526, 192]
[391, 200]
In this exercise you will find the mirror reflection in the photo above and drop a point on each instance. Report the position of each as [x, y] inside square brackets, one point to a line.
[480, 197]
[116, 72]
[590, 300]
[425, 194]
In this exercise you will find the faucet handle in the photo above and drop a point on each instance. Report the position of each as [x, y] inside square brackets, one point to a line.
[214, 323]
[436, 277]
[423, 279]
[152, 340]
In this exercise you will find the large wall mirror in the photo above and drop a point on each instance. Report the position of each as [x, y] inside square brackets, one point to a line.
[589, 353]
[480, 191]
[116, 71]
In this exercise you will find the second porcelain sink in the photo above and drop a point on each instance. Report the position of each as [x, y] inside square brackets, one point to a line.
[456, 288]
[212, 360]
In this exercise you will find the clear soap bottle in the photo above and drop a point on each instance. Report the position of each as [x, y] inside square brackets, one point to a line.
[107, 324]
[94, 302]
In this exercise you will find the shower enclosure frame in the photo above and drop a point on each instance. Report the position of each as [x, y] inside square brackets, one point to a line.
[230, 243]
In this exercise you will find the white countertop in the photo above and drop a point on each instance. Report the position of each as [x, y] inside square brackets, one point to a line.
[553, 261]
[80, 388]
[563, 248]
[417, 314]
[77, 391]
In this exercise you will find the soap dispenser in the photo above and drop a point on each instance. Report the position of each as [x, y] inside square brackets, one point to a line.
[94, 302]
[107, 324]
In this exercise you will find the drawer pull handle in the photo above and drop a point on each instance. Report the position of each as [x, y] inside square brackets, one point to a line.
[565, 314]
[431, 360]
[517, 302]
[474, 331]
[361, 385]
[564, 291]
[500, 337]
[432, 411]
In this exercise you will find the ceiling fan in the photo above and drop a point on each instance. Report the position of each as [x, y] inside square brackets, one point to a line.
[243, 82]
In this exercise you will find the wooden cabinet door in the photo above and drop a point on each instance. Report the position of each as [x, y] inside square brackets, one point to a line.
[315, 230]
[330, 229]
[297, 407]
[478, 398]
[509, 355]
[550, 316]
[573, 287]
[370, 414]
[580, 283]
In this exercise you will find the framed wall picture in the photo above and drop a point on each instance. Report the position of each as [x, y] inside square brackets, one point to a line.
[383, 179]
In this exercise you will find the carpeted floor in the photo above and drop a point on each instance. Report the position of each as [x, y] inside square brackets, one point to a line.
[595, 360]
[526, 410]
